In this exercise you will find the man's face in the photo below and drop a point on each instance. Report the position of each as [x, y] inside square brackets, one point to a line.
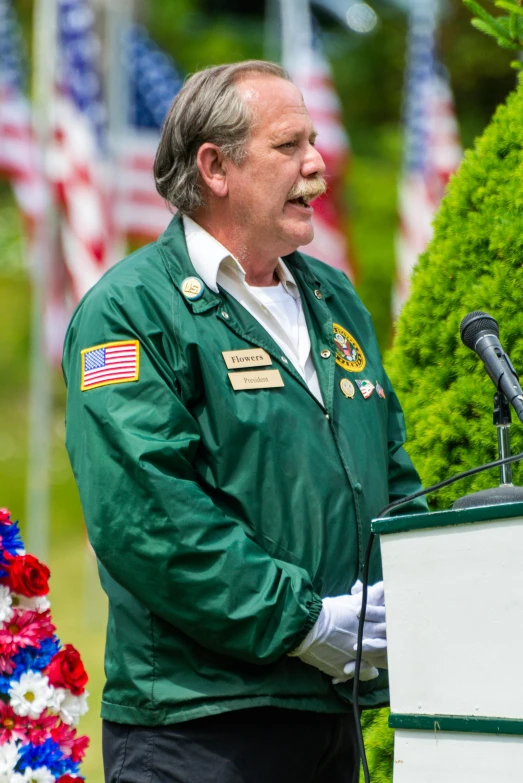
[280, 160]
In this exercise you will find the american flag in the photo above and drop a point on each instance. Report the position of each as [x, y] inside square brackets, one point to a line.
[20, 160]
[432, 148]
[117, 362]
[77, 156]
[153, 81]
[310, 72]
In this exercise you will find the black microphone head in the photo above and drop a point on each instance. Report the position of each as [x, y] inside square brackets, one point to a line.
[473, 324]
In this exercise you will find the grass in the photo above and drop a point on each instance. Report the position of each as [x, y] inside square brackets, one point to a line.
[78, 605]
[79, 611]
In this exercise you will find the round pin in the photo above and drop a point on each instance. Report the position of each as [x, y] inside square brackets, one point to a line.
[347, 388]
[325, 354]
[192, 288]
[318, 294]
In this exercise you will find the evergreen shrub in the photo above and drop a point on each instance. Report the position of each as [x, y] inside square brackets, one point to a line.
[474, 262]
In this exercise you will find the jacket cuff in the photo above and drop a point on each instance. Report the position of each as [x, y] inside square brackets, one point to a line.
[315, 608]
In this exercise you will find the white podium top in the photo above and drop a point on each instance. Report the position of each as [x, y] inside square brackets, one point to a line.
[454, 598]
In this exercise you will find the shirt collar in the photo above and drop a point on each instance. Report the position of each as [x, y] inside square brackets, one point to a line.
[207, 256]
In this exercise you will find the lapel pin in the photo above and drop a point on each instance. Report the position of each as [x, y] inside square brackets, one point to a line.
[366, 388]
[192, 288]
[347, 388]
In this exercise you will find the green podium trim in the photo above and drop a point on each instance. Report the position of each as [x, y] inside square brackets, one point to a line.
[466, 516]
[465, 723]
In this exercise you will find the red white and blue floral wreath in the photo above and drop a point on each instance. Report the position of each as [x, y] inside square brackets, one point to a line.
[42, 683]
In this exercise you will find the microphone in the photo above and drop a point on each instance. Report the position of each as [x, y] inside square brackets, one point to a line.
[480, 332]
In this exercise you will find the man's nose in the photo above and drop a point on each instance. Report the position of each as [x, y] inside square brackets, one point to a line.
[313, 163]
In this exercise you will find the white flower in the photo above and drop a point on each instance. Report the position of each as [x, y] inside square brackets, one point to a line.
[39, 775]
[37, 603]
[31, 695]
[9, 756]
[71, 708]
[6, 611]
[57, 698]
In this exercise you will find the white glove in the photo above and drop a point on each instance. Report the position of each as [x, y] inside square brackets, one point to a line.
[329, 645]
[367, 672]
[374, 644]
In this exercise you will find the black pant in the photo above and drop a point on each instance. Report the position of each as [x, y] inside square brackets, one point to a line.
[259, 745]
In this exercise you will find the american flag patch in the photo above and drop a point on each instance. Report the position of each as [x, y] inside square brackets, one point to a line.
[110, 363]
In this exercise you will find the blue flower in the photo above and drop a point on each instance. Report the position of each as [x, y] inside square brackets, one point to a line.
[5, 680]
[30, 658]
[47, 755]
[36, 658]
[11, 542]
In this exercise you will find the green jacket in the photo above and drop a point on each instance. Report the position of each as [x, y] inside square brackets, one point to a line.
[220, 517]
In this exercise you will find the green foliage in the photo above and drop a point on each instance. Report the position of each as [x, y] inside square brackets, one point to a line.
[507, 30]
[373, 224]
[379, 745]
[474, 262]
[12, 247]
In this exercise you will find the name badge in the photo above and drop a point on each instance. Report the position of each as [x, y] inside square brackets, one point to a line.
[263, 379]
[253, 357]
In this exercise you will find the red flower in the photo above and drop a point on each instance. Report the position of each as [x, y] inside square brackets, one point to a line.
[25, 629]
[12, 726]
[64, 736]
[41, 729]
[80, 745]
[66, 670]
[68, 779]
[27, 575]
[5, 516]
[7, 665]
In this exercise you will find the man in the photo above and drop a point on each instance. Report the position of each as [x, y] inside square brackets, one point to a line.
[228, 464]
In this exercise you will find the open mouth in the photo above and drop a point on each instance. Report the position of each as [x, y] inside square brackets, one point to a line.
[302, 201]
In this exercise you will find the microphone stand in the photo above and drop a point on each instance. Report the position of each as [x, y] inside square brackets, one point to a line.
[506, 492]
[502, 421]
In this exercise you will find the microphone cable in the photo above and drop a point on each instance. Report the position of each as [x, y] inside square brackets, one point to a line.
[365, 579]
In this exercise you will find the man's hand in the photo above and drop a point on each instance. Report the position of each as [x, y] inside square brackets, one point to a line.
[374, 644]
[329, 645]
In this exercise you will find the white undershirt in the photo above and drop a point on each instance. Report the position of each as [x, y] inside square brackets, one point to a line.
[277, 308]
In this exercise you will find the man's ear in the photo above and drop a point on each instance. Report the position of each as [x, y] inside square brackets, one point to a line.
[212, 168]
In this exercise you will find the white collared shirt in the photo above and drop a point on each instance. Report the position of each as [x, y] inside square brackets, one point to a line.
[278, 308]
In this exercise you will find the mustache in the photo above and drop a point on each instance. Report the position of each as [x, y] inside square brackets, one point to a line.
[308, 189]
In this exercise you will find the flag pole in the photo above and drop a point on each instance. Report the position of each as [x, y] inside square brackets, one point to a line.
[40, 260]
[296, 38]
[119, 15]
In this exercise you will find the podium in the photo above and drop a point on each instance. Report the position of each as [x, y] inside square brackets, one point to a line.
[454, 597]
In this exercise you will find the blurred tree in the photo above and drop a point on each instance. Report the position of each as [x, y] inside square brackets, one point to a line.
[480, 72]
[240, 7]
[473, 263]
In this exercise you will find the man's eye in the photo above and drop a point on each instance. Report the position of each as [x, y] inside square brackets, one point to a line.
[288, 145]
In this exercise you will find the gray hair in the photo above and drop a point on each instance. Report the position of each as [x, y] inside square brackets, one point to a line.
[208, 108]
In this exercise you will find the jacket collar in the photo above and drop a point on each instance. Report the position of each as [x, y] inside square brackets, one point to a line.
[209, 257]
[173, 249]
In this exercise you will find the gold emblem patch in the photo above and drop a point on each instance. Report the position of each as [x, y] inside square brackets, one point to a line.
[347, 388]
[348, 353]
